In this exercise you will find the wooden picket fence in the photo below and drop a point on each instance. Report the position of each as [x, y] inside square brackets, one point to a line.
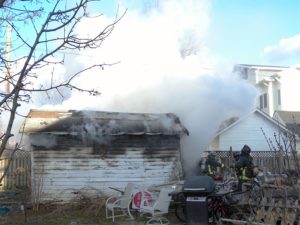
[17, 175]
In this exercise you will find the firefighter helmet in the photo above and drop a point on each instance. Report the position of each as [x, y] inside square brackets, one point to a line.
[246, 150]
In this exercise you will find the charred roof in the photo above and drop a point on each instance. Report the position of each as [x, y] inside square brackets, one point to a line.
[102, 123]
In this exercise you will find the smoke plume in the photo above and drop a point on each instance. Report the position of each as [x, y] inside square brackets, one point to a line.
[163, 65]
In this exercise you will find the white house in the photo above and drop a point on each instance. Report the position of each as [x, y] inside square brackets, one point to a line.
[277, 86]
[255, 129]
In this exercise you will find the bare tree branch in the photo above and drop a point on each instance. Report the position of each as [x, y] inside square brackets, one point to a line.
[57, 29]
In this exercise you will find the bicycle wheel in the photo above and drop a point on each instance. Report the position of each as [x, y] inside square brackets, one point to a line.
[180, 212]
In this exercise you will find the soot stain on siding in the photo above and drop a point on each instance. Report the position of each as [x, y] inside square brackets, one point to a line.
[152, 147]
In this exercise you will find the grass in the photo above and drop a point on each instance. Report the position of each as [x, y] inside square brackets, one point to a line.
[56, 217]
[81, 211]
[71, 216]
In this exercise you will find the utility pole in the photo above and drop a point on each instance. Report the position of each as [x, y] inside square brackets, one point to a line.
[7, 64]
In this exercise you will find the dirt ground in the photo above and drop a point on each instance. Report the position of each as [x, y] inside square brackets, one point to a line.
[82, 211]
[67, 216]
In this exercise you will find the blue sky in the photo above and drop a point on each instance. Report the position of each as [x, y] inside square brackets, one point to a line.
[241, 31]
[237, 31]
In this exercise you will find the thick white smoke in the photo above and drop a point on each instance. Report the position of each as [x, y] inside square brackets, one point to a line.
[164, 66]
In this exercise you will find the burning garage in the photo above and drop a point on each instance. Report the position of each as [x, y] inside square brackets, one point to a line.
[95, 150]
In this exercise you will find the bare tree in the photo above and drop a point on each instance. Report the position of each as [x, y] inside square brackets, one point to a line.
[40, 35]
[284, 147]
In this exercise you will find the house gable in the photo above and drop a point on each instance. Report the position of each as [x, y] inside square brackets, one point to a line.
[253, 129]
[290, 118]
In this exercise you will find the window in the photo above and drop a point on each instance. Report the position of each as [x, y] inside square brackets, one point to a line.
[278, 97]
[263, 101]
[241, 71]
[261, 104]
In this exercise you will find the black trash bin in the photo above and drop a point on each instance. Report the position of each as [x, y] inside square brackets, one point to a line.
[196, 189]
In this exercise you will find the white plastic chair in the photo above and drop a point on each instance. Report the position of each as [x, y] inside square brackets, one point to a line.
[158, 207]
[120, 206]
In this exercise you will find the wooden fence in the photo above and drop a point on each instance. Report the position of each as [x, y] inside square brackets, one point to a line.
[273, 162]
[18, 172]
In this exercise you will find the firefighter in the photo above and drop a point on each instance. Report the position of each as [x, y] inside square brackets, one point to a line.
[212, 165]
[244, 166]
[236, 156]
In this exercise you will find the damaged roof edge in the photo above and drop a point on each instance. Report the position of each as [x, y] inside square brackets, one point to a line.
[105, 123]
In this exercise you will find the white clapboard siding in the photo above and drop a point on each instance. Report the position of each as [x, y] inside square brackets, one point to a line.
[65, 172]
[75, 151]
[249, 131]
